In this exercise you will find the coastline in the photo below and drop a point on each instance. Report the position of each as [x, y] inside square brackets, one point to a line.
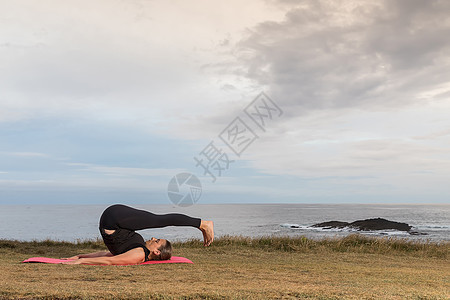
[57, 222]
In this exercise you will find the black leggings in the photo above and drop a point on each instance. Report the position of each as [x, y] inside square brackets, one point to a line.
[120, 216]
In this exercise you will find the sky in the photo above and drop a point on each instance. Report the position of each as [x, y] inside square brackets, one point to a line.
[106, 101]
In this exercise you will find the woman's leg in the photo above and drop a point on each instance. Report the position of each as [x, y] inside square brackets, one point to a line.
[122, 216]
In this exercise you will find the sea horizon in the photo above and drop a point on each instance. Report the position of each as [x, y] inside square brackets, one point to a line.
[69, 222]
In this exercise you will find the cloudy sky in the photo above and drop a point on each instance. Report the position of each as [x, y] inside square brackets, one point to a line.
[105, 101]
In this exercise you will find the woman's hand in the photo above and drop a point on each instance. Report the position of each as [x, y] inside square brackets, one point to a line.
[73, 257]
[73, 262]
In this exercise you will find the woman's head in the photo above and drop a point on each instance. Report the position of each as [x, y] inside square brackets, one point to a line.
[160, 249]
[165, 251]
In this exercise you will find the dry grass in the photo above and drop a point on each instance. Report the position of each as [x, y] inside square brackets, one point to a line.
[355, 267]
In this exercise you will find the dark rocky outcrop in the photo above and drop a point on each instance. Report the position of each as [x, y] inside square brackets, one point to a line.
[367, 225]
[332, 224]
[379, 224]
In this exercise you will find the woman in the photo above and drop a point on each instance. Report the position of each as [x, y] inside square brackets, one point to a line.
[117, 227]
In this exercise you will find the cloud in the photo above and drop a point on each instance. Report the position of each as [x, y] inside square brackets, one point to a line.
[339, 54]
[24, 154]
[132, 61]
[125, 172]
[364, 90]
[108, 95]
[352, 143]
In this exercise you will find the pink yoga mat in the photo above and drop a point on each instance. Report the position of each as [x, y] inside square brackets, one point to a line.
[47, 260]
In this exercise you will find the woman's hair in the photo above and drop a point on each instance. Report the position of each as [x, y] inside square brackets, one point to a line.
[165, 252]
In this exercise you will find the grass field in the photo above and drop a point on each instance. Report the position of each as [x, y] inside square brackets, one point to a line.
[354, 267]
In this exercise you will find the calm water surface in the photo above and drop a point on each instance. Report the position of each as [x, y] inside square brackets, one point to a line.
[73, 222]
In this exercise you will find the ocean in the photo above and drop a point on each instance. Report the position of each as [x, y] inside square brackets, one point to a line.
[80, 222]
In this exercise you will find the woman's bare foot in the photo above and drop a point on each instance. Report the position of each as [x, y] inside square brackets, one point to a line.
[207, 228]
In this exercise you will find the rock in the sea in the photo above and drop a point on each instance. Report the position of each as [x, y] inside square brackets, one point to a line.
[367, 224]
[417, 233]
[379, 224]
[332, 224]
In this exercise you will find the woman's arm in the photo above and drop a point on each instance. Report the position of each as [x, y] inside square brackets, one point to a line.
[88, 255]
[95, 254]
[133, 256]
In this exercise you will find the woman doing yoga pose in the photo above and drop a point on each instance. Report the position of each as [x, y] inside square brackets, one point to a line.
[117, 227]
